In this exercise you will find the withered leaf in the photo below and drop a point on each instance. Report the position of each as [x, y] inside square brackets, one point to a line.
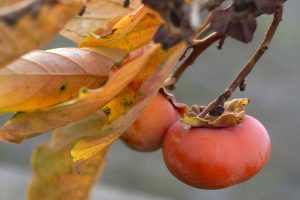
[99, 16]
[54, 175]
[31, 30]
[44, 78]
[127, 105]
[28, 124]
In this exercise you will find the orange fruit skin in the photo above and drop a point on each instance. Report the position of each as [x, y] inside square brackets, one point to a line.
[147, 132]
[215, 158]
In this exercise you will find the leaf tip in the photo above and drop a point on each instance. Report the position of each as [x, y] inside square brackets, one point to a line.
[8, 136]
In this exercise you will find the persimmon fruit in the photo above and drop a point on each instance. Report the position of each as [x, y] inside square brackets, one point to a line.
[147, 132]
[215, 158]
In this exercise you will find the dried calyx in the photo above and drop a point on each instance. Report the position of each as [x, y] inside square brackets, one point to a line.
[181, 108]
[233, 112]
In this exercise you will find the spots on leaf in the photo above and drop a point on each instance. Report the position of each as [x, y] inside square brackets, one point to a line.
[63, 87]
[127, 103]
[106, 110]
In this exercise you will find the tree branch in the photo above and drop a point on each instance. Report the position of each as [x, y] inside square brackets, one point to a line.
[198, 48]
[239, 80]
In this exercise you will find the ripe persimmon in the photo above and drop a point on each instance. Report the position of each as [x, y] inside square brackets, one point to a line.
[214, 158]
[147, 132]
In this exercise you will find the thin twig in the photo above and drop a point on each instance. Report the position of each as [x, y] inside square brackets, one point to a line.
[204, 26]
[210, 5]
[202, 29]
[247, 68]
[221, 42]
[198, 48]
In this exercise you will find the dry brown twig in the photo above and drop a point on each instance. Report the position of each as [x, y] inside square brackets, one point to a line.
[198, 48]
[239, 80]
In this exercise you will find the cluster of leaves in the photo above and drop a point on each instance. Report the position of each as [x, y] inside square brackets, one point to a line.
[91, 94]
[239, 19]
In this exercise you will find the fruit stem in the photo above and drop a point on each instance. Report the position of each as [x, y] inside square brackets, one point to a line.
[240, 79]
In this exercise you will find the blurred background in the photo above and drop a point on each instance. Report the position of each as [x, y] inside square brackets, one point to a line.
[274, 90]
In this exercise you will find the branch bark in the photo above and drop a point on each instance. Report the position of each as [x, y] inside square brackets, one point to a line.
[239, 80]
[198, 48]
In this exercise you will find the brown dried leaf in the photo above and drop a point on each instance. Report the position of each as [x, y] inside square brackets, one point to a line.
[44, 78]
[54, 176]
[29, 124]
[25, 31]
[98, 16]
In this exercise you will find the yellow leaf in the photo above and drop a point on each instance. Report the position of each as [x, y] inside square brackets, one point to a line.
[44, 78]
[27, 32]
[28, 124]
[130, 33]
[98, 15]
[126, 107]
[54, 176]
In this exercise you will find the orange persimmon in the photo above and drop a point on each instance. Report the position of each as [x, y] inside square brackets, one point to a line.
[215, 158]
[147, 132]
